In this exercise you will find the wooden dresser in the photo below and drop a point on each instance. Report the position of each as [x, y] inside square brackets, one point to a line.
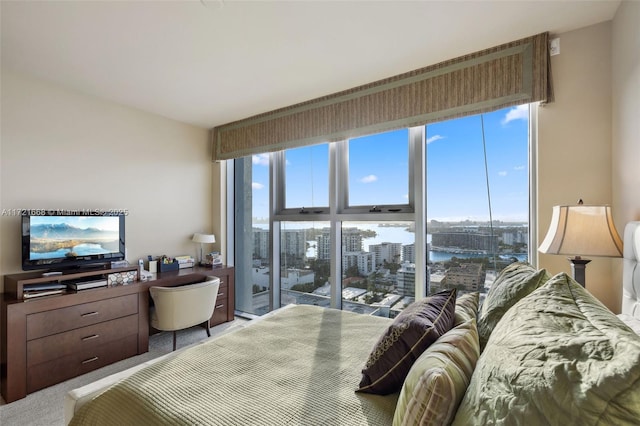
[50, 339]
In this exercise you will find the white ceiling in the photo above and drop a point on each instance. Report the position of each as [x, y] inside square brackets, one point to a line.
[210, 62]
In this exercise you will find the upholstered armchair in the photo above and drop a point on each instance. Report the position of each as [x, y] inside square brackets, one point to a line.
[178, 308]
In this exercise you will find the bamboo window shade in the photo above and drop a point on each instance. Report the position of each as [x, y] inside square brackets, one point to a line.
[510, 74]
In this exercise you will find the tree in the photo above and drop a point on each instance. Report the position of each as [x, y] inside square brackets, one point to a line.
[352, 271]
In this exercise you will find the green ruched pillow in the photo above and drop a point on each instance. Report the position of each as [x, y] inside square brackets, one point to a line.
[439, 378]
[558, 357]
[512, 284]
[466, 307]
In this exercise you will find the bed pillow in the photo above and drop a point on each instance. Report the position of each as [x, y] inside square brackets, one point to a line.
[412, 331]
[512, 284]
[558, 357]
[466, 307]
[439, 378]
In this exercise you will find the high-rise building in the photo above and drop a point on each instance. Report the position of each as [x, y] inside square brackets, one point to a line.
[472, 241]
[386, 252]
[260, 243]
[294, 242]
[351, 239]
[351, 242]
[409, 253]
[323, 244]
[365, 262]
[515, 237]
[467, 276]
[406, 278]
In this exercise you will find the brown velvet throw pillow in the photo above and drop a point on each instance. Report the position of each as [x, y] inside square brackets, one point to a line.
[418, 326]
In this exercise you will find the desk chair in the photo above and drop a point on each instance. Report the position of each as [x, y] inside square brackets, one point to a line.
[177, 308]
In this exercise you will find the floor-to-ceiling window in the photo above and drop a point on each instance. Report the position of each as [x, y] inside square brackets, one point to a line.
[477, 197]
[369, 224]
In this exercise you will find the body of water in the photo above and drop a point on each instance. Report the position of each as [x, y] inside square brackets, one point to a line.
[85, 249]
[390, 234]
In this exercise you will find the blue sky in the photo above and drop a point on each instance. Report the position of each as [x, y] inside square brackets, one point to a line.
[456, 181]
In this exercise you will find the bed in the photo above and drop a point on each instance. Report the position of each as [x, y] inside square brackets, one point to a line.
[283, 377]
[302, 365]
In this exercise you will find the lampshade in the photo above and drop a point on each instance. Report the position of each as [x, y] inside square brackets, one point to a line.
[204, 238]
[582, 231]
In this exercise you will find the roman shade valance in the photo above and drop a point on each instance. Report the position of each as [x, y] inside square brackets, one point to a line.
[510, 74]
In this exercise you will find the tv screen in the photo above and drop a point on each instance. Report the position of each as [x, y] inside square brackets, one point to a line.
[52, 240]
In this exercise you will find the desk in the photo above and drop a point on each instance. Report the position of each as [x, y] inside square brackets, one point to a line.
[51, 339]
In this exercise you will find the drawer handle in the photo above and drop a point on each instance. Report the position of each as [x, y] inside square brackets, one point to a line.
[90, 337]
[87, 361]
[220, 306]
[89, 314]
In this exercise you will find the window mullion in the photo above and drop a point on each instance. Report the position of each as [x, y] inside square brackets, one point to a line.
[417, 181]
[337, 170]
[276, 202]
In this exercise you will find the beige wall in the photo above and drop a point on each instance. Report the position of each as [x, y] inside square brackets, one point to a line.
[589, 143]
[626, 112]
[64, 150]
[574, 144]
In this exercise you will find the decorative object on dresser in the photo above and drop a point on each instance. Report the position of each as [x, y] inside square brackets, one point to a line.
[203, 239]
[582, 230]
[121, 278]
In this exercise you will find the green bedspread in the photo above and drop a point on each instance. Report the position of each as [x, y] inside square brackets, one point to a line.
[300, 366]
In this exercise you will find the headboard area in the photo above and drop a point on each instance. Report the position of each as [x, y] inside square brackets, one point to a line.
[631, 270]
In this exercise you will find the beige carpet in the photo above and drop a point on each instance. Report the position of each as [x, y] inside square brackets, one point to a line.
[45, 407]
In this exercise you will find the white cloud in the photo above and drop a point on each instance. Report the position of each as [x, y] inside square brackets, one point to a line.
[260, 159]
[256, 185]
[369, 179]
[521, 112]
[502, 173]
[434, 138]
[519, 167]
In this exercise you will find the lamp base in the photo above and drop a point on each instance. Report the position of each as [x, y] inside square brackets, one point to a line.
[578, 268]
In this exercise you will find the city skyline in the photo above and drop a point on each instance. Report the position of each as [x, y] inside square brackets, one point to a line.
[378, 168]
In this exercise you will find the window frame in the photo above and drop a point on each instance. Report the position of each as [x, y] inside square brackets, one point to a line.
[338, 211]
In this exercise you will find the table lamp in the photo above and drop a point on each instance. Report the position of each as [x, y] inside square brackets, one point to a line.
[203, 239]
[582, 230]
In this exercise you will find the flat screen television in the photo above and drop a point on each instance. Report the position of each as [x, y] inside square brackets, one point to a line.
[56, 241]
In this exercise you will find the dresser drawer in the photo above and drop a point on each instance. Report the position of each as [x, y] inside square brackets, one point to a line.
[223, 279]
[219, 316]
[60, 320]
[60, 369]
[74, 341]
[220, 312]
[222, 293]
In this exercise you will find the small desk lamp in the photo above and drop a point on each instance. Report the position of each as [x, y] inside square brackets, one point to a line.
[582, 230]
[203, 239]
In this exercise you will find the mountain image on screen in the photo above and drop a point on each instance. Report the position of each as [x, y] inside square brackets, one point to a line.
[50, 241]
